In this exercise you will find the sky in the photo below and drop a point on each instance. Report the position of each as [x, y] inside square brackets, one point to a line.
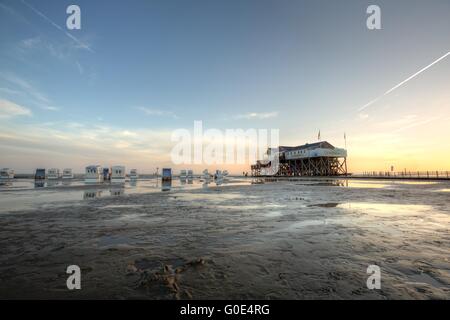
[114, 91]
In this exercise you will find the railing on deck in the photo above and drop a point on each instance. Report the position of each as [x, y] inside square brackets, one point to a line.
[406, 174]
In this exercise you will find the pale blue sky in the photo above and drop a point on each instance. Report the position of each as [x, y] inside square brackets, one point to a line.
[154, 66]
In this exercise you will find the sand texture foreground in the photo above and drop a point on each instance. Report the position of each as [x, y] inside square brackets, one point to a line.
[300, 239]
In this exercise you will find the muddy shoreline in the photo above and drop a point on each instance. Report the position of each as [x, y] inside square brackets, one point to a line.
[283, 240]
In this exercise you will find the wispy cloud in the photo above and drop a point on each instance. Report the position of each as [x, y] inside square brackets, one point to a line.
[26, 86]
[157, 112]
[63, 51]
[14, 13]
[74, 125]
[79, 67]
[10, 109]
[257, 115]
[79, 43]
[59, 143]
[50, 108]
[31, 42]
[403, 82]
[30, 46]
[9, 91]
[363, 116]
[407, 122]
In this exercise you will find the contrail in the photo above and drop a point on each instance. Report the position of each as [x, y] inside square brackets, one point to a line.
[403, 82]
[80, 43]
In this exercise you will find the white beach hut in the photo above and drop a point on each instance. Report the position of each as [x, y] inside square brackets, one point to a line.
[53, 174]
[134, 174]
[118, 174]
[67, 173]
[93, 174]
[6, 173]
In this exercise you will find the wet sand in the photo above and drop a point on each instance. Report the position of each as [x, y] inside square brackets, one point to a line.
[297, 239]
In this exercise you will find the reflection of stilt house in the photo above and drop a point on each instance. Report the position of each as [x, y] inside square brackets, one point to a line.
[315, 159]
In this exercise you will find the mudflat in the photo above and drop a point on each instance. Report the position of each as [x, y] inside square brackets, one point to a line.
[285, 239]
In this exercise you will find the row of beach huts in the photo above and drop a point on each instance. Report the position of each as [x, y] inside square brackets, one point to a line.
[95, 173]
[189, 174]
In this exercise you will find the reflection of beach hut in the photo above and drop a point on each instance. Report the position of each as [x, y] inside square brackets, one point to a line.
[39, 183]
[166, 174]
[206, 175]
[166, 185]
[117, 192]
[53, 173]
[67, 173]
[6, 173]
[91, 194]
[52, 182]
[190, 174]
[118, 174]
[183, 174]
[218, 175]
[134, 174]
[106, 174]
[93, 174]
[40, 174]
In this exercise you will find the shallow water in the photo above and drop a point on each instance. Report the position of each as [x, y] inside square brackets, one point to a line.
[244, 239]
[28, 194]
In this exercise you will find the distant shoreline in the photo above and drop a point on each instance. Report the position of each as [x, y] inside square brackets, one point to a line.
[431, 178]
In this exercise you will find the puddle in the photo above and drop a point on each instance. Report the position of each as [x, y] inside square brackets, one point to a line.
[325, 205]
[369, 185]
[212, 197]
[241, 207]
[111, 241]
[297, 226]
[416, 182]
[385, 209]
[273, 214]
[425, 278]
[121, 206]
[25, 194]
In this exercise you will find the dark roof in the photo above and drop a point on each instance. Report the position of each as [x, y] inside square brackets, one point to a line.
[321, 144]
